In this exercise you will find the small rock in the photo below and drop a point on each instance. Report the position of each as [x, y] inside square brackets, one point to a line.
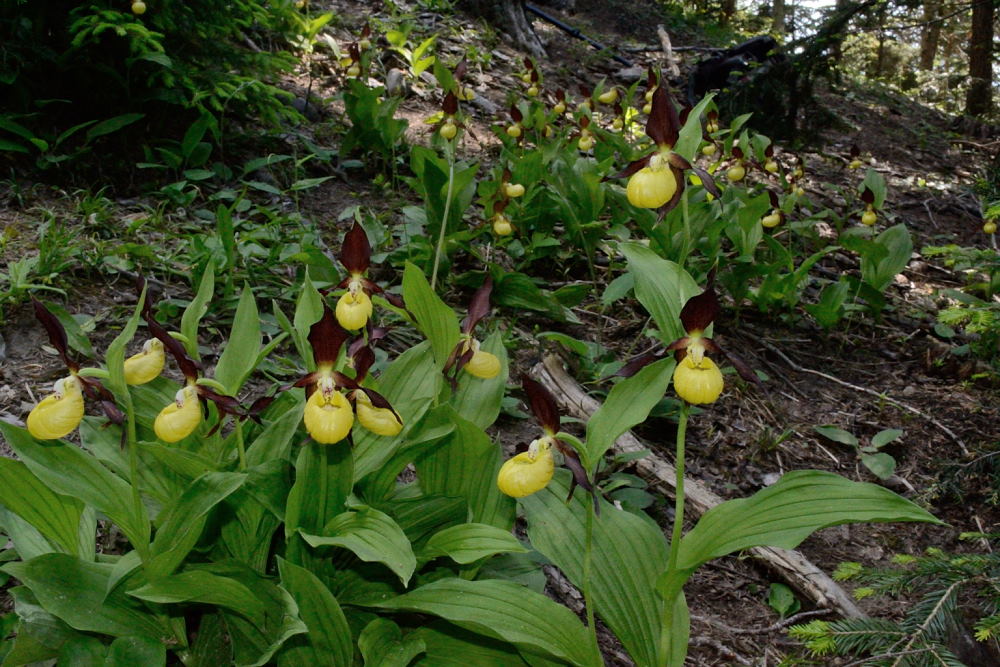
[770, 478]
[629, 75]
[395, 83]
[307, 109]
[909, 390]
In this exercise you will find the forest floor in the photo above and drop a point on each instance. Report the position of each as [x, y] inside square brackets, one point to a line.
[863, 376]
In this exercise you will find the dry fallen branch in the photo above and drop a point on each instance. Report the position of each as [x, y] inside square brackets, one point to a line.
[792, 566]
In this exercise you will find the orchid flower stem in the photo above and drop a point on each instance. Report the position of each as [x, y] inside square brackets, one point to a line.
[444, 219]
[588, 599]
[686, 247]
[675, 536]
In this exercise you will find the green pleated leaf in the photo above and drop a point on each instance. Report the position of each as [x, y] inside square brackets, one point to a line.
[506, 611]
[448, 645]
[433, 317]
[40, 634]
[328, 640]
[76, 592]
[308, 311]
[691, 134]
[784, 514]
[323, 478]
[183, 522]
[629, 553]
[479, 399]
[373, 537]
[662, 287]
[132, 651]
[410, 384]
[276, 438]
[212, 646]
[192, 315]
[82, 651]
[423, 516]
[27, 540]
[68, 470]
[55, 516]
[628, 404]
[465, 465]
[239, 356]
[255, 643]
[382, 645]
[204, 588]
[184, 463]
[468, 542]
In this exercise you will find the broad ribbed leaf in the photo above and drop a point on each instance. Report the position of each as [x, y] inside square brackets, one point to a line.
[204, 588]
[132, 651]
[468, 542]
[629, 553]
[276, 439]
[410, 384]
[382, 645]
[506, 611]
[55, 516]
[323, 477]
[39, 633]
[880, 271]
[628, 404]
[75, 591]
[239, 356]
[784, 514]
[692, 132]
[328, 641]
[183, 522]
[662, 287]
[196, 310]
[479, 399]
[373, 537]
[435, 320]
[68, 470]
[465, 465]
[448, 645]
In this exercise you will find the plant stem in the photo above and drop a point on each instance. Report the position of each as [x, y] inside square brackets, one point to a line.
[588, 599]
[444, 219]
[675, 536]
[133, 471]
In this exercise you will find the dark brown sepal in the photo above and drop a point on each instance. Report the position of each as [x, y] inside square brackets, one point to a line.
[773, 197]
[395, 299]
[867, 196]
[380, 401]
[632, 168]
[543, 405]
[356, 252]
[737, 152]
[700, 310]
[188, 366]
[855, 151]
[461, 69]
[258, 407]
[663, 125]
[479, 307]
[579, 476]
[363, 358]
[515, 114]
[640, 361]
[742, 368]
[707, 180]
[450, 104]
[672, 204]
[326, 338]
[57, 334]
[344, 381]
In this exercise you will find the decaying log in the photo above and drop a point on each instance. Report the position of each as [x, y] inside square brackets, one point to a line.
[668, 52]
[792, 566]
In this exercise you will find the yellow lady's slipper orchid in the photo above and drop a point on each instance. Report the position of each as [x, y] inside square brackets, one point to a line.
[585, 143]
[698, 381]
[513, 190]
[146, 365]
[380, 421]
[771, 166]
[483, 364]
[501, 225]
[772, 219]
[449, 129]
[990, 227]
[328, 415]
[529, 471]
[58, 413]
[181, 416]
[869, 217]
[354, 307]
[559, 107]
[514, 131]
[736, 172]
[652, 186]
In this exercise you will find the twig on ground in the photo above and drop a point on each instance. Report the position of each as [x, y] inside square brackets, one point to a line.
[929, 214]
[871, 392]
[722, 649]
[783, 623]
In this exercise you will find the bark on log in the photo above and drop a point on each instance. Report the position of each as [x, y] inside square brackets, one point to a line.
[792, 566]
[509, 16]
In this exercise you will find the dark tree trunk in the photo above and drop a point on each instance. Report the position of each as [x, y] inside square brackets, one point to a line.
[778, 17]
[728, 10]
[509, 16]
[979, 99]
[930, 34]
